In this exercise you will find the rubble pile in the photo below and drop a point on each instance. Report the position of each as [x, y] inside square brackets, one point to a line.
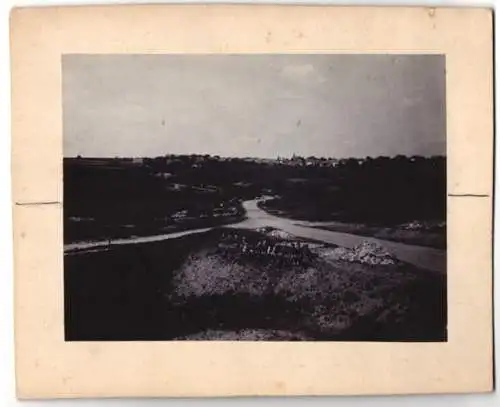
[366, 253]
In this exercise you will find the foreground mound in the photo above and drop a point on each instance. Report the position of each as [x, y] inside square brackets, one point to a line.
[248, 295]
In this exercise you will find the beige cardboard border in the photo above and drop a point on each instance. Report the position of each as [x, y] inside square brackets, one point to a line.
[46, 366]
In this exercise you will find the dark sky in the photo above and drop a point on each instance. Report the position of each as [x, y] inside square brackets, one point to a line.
[260, 105]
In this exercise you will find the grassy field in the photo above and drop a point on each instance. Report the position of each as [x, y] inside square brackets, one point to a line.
[246, 285]
[115, 198]
[419, 233]
[96, 230]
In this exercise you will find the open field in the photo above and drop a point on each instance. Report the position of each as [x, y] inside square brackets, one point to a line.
[123, 197]
[243, 284]
[427, 234]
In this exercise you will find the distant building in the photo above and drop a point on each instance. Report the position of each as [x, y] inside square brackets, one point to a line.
[137, 160]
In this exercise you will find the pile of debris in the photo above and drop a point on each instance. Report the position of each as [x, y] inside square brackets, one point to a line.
[276, 233]
[366, 253]
[280, 234]
[413, 225]
[417, 225]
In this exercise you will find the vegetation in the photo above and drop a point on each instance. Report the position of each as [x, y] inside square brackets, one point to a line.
[119, 197]
[382, 191]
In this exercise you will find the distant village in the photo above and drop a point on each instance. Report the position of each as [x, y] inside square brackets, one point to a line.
[198, 159]
[299, 161]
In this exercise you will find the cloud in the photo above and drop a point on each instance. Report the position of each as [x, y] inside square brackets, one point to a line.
[304, 72]
[410, 101]
[299, 71]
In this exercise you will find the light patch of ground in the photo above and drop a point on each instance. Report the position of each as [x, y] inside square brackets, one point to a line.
[245, 334]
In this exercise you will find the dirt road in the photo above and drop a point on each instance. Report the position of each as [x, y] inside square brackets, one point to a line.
[423, 257]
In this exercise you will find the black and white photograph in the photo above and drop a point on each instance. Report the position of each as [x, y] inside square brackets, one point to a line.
[254, 197]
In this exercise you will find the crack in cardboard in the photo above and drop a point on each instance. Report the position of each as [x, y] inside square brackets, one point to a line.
[469, 195]
[37, 203]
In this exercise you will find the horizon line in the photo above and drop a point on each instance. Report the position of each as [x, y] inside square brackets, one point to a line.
[253, 157]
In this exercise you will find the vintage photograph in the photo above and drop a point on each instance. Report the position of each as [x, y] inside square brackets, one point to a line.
[266, 197]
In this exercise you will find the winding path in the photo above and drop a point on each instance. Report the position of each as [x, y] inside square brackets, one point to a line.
[423, 257]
